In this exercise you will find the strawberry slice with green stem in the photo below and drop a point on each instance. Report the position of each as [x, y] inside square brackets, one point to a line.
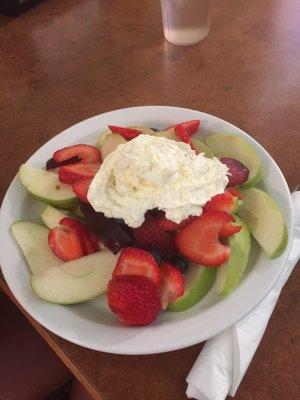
[172, 284]
[191, 127]
[76, 172]
[127, 133]
[199, 240]
[134, 261]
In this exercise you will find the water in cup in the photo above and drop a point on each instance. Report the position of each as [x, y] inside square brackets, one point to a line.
[186, 21]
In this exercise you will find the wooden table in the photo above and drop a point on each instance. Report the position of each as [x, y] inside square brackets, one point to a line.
[65, 61]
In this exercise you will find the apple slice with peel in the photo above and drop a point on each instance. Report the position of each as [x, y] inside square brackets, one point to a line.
[45, 186]
[33, 241]
[236, 147]
[77, 280]
[231, 272]
[51, 216]
[198, 282]
[143, 129]
[264, 220]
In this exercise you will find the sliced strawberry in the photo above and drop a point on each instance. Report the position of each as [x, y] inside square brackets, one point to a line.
[134, 299]
[134, 261]
[127, 133]
[221, 202]
[80, 188]
[191, 126]
[182, 134]
[229, 230]
[165, 223]
[76, 172]
[52, 164]
[186, 221]
[88, 240]
[199, 240]
[84, 152]
[172, 284]
[150, 236]
[65, 243]
[234, 192]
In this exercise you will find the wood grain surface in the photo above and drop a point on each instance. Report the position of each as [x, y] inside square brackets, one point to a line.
[64, 61]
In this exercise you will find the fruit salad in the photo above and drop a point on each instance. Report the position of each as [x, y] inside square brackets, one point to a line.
[152, 219]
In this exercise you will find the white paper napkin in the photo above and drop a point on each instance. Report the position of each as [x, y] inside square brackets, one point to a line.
[223, 361]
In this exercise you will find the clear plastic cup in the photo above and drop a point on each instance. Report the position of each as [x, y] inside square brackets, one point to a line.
[186, 21]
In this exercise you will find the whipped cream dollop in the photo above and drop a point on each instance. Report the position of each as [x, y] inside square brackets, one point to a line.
[154, 172]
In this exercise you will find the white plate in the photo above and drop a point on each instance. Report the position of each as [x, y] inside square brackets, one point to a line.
[91, 324]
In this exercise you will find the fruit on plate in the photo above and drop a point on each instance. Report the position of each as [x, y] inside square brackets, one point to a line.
[81, 188]
[168, 134]
[201, 147]
[33, 241]
[46, 187]
[110, 144]
[191, 127]
[264, 221]
[133, 261]
[181, 133]
[150, 236]
[84, 152]
[76, 172]
[199, 240]
[171, 285]
[238, 173]
[71, 239]
[223, 202]
[236, 147]
[198, 282]
[51, 216]
[103, 136]
[75, 281]
[134, 299]
[231, 272]
[111, 234]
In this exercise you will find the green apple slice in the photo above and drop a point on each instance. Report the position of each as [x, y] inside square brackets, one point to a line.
[108, 132]
[236, 147]
[198, 282]
[33, 241]
[202, 147]
[111, 143]
[45, 186]
[77, 280]
[51, 216]
[167, 134]
[264, 220]
[231, 272]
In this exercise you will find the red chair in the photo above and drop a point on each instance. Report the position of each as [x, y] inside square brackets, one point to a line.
[29, 370]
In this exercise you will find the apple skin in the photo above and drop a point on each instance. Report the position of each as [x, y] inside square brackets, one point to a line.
[231, 272]
[236, 147]
[201, 147]
[199, 281]
[265, 221]
[46, 187]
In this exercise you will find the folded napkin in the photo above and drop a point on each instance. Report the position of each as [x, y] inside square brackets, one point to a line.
[223, 361]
